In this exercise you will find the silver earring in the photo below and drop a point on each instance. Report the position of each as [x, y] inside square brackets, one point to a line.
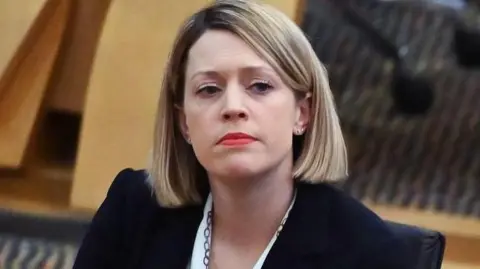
[188, 140]
[298, 130]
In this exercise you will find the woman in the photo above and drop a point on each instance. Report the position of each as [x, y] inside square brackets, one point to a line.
[246, 138]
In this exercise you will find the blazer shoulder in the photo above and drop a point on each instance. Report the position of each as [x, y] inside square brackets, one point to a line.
[114, 232]
[346, 214]
[350, 213]
[131, 188]
[132, 185]
[365, 231]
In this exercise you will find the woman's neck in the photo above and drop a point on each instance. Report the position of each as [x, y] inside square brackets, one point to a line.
[249, 213]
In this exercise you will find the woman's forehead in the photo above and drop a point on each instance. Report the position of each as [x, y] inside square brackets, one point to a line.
[218, 50]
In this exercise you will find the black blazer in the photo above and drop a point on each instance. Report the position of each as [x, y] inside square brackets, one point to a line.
[326, 229]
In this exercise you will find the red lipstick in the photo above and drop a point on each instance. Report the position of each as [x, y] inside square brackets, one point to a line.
[236, 139]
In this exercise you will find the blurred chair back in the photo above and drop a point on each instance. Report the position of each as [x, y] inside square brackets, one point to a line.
[426, 247]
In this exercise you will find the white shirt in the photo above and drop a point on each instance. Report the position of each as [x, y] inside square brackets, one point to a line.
[198, 254]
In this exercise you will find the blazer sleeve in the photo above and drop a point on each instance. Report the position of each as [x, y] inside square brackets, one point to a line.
[102, 245]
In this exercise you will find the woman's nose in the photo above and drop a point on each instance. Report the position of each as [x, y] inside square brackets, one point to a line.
[232, 115]
[234, 104]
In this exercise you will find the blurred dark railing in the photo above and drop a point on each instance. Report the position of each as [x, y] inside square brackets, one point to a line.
[429, 161]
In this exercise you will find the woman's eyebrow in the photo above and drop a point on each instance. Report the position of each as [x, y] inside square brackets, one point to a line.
[245, 69]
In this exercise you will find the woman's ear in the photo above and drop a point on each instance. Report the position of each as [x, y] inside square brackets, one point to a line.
[303, 114]
[182, 120]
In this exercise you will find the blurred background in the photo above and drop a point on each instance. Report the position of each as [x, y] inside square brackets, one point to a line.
[79, 81]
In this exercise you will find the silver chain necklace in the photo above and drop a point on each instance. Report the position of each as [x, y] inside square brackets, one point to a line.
[207, 232]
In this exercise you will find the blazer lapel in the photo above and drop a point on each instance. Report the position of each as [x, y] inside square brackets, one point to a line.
[304, 237]
[172, 238]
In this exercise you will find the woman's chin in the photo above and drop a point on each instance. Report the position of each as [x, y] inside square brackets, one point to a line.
[240, 169]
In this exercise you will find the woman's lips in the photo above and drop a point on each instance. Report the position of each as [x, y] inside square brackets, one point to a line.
[236, 139]
[237, 142]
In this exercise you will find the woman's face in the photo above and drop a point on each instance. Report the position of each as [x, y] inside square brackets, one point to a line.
[237, 112]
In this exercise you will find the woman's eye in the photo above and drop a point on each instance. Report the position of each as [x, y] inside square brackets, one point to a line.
[261, 87]
[208, 90]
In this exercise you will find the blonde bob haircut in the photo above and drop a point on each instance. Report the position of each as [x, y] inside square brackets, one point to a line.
[175, 174]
